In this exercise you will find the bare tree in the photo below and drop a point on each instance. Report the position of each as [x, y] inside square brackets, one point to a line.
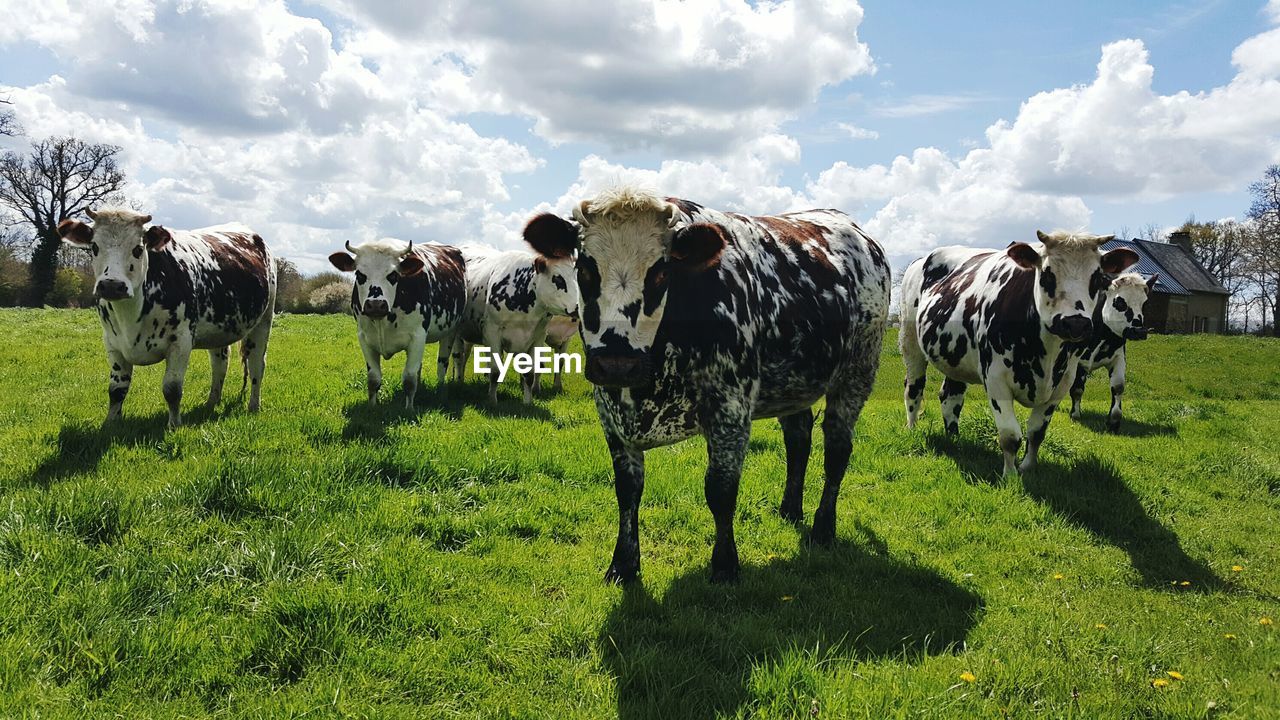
[1151, 232]
[8, 121]
[1264, 256]
[61, 177]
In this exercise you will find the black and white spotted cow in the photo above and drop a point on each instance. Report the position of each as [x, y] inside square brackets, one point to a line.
[697, 322]
[404, 297]
[163, 293]
[1117, 318]
[1003, 319]
[511, 295]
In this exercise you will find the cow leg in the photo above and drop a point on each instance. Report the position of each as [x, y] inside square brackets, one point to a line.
[557, 385]
[1037, 426]
[443, 350]
[460, 354]
[218, 358]
[1117, 393]
[1077, 389]
[952, 398]
[797, 435]
[628, 485]
[118, 387]
[373, 373]
[175, 374]
[254, 350]
[726, 449]
[528, 382]
[412, 374]
[1008, 430]
[916, 364]
[843, 409]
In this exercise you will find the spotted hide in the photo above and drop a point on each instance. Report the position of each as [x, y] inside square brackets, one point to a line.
[698, 322]
[511, 296]
[163, 293]
[1003, 319]
[404, 297]
[1117, 318]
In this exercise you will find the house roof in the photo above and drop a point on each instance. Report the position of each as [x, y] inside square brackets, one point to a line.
[1180, 274]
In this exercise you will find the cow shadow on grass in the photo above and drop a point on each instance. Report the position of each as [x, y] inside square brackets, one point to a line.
[1091, 494]
[1097, 422]
[704, 650]
[371, 422]
[81, 446]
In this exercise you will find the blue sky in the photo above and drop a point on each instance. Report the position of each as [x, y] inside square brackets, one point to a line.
[933, 123]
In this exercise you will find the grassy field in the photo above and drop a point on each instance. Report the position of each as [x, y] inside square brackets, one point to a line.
[327, 559]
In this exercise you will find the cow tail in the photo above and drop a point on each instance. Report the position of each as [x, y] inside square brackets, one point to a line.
[244, 365]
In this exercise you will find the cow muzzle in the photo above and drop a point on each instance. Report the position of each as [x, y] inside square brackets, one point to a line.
[1135, 333]
[1072, 328]
[111, 289]
[617, 371]
[375, 309]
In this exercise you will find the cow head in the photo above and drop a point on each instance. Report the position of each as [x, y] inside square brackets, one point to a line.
[379, 265]
[555, 285]
[1122, 305]
[1069, 278]
[629, 248]
[119, 246]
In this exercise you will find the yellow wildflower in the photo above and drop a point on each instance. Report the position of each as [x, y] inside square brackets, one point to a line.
[1264, 621]
[788, 598]
[1159, 682]
[1057, 576]
[1185, 583]
[1173, 674]
[1101, 626]
[1237, 568]
[1230, 636]
[968, 676]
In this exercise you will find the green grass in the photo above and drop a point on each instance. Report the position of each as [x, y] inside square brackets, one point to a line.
[326, 559]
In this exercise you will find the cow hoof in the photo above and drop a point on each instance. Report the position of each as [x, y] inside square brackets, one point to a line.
[725, 574]
[823, 533]
[792, 513]
[618, 576]
[1113, 427]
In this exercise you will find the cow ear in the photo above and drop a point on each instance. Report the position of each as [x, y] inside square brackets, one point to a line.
[1151, 282]
[156, 238]
[697, 247]
[75, 233]
[409, 266]
[1117, 260]
[342, 261]
[1024, 255]
[551, 236]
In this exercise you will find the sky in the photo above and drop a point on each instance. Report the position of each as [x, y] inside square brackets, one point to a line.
[932, 123]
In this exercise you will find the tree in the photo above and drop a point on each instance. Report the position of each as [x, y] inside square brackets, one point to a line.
[61, 177]
[1221, 247]
[1264, 255]
[8, 121]
[288, 286]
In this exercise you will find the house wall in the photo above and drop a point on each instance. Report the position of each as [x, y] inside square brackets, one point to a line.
[1198, 312]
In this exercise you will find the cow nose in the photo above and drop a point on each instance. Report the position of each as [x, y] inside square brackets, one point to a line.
[617, 371]
[1075, 327]
[1136, 333]
[375, 308]
[111, 289]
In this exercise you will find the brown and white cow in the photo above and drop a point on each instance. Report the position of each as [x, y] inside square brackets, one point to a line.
[163, 293]
[404, 297]
[1003, 319]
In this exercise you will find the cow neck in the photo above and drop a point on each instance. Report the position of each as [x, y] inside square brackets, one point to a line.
[126, 313]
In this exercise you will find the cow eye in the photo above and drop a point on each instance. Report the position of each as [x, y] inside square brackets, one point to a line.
[361, 278]
[137, 251]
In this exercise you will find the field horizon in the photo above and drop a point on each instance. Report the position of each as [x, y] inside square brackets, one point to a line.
[329, 558]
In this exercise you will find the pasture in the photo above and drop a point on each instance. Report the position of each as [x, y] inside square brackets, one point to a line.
[329, 559]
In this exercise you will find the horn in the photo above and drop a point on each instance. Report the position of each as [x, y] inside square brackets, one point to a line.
[347, 244]
[409, 252]
[92, 215]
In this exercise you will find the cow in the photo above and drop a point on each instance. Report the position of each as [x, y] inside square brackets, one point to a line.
[511, 295]
[403, 297]
[560, 330]
[163, 293]
[1117, 318]
[1003, 319]
[697, 321]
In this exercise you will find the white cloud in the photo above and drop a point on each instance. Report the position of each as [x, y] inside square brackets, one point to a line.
[857, 133]
[689, 78]
[920, 105]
